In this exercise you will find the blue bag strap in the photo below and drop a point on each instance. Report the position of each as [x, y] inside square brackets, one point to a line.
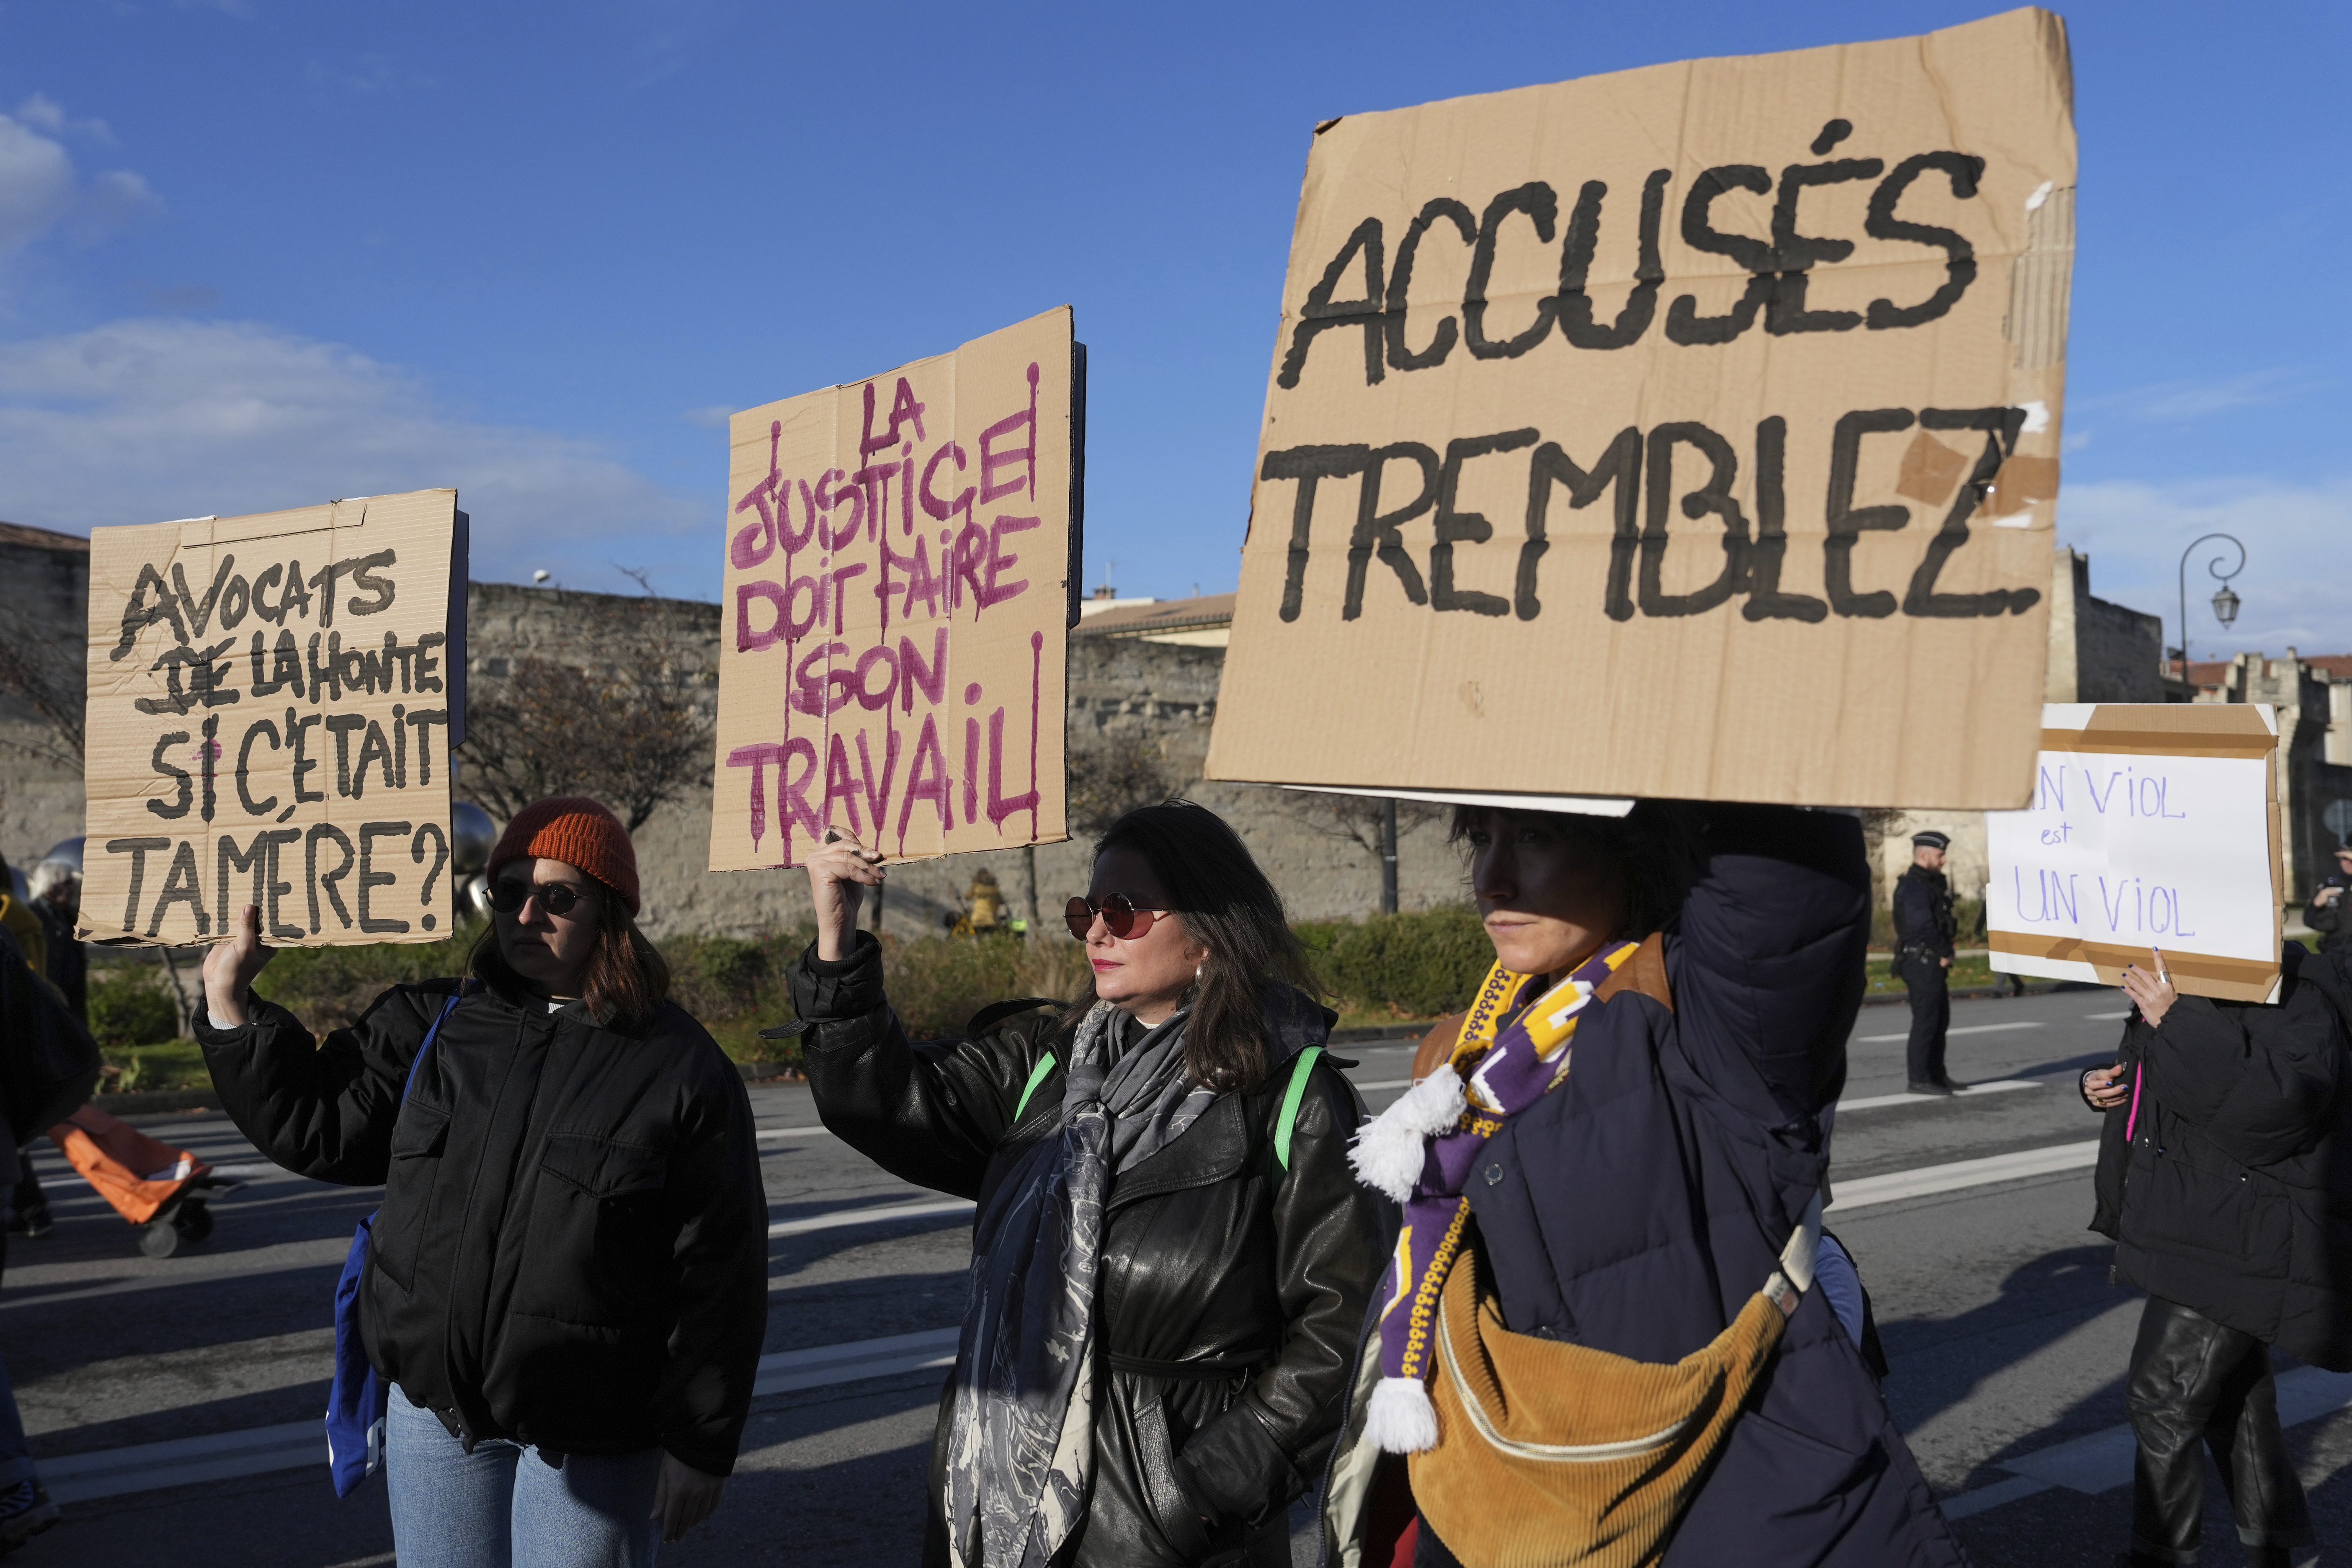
[446, 1008]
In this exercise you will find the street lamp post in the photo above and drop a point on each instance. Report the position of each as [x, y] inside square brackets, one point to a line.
[2225, 603]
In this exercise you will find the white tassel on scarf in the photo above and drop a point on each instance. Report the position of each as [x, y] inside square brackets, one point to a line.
[1390, 1148]
[1401, 1420]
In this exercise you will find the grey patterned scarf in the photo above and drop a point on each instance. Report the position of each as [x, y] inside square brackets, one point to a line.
[1021, 1426]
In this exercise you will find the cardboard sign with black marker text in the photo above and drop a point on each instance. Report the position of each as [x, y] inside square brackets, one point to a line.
[273, 702]
[1689, 431]
[2152, 826]
[901, 561]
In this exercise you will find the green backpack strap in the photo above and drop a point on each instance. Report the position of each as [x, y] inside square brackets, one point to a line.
[1037, 1074]
[1291, 1098]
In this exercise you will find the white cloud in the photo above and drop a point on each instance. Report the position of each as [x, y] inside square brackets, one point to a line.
[39, 190]
[144, 419]
[49, 115]
[2296, 586]
[2172, 402]
[36, 185]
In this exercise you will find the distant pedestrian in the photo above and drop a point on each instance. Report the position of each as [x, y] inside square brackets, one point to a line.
[2330, 909]
[1925, 926]
[56, 887]
[568, 1284]
[2224, 1167]
[1171, 1259]
[17, 918]
[2005, 982]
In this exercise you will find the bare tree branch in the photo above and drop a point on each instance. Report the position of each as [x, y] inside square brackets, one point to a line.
[635, 730]
[1352, 819]
[44, 670]
[1113, 773]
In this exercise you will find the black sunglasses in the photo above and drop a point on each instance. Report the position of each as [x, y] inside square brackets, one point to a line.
[1118, 913]
[509, 893]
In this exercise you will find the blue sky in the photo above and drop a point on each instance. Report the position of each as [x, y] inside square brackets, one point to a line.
[254, 253]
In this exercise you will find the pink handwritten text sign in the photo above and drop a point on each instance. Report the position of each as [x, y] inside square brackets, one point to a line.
[900, 559]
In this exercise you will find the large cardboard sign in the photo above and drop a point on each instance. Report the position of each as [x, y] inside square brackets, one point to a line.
[2151, 825]
[901, 576]
[273, 702]
[1690, 431]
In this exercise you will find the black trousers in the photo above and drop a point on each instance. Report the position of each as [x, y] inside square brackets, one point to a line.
[1931, 1015]
[2194, 1384]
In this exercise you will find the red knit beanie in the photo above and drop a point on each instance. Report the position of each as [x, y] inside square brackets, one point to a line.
[577, 831]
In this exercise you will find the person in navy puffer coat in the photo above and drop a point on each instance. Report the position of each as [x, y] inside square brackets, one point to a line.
[1638, 1207]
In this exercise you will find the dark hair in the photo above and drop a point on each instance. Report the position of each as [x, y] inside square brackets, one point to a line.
[1228, 907]
[1655, 847]
[627, 977]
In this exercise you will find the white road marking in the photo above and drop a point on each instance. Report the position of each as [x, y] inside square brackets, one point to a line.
[1384, 1083]
[1993, 1085]
[1971, 1029]
[2102, 1461]
[1868, 1192]
[836, 1220]
[770, 1134]
[293, 1444]
[2108, 1017]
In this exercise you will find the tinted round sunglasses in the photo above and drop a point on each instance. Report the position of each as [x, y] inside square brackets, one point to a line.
[1119, 916]
[509, 894]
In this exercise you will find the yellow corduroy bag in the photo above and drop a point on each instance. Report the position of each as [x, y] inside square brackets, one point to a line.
[1551, 1454]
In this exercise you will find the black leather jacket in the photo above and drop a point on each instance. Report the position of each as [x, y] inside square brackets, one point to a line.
[573, 1244]
[1247, 1278]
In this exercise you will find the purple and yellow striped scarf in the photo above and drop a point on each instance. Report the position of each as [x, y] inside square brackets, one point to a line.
[1420, 1152]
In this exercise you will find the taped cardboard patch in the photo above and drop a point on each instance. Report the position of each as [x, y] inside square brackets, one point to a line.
[1931, 469]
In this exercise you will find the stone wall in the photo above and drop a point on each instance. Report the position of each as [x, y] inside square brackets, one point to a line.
[1161, 693]
[47, 587]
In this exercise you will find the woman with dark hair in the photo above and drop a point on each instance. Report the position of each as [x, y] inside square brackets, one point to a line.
[1613, 1171]
[1170, 1258]
[567, 1286]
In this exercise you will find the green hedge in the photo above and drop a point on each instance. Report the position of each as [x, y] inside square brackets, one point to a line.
[129, 1006]
[1415, 965]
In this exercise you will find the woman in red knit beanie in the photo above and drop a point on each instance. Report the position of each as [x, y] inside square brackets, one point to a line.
[568, 1282]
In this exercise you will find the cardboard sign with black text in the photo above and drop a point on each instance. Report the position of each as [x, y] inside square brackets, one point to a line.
[901, 560]
[2153, 827]
[1690, 431]
[273, 702]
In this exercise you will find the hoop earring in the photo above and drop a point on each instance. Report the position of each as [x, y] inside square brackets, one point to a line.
[1197, 968]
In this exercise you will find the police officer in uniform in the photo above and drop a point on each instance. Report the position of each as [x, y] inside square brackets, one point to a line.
[2330, 910]
[1924, 928]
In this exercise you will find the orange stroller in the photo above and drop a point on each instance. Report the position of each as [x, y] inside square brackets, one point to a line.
[159, 1189]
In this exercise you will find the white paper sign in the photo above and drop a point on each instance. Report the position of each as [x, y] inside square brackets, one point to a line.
[2150, 828]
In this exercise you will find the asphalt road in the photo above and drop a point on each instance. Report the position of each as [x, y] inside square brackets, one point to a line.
[175, 1401]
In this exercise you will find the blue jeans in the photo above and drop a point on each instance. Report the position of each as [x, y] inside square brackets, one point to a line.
[508, 1504]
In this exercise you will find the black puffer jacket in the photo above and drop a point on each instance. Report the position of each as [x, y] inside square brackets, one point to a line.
[1214, 1255]
[2233, 1196]
[573, 1249]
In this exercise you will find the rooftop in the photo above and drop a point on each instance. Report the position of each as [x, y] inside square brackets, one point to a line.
[1211, 612]
[42, 538]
